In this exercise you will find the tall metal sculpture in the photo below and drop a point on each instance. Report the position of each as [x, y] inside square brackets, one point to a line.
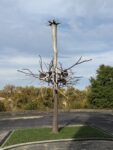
[53, 25]
[55, 75]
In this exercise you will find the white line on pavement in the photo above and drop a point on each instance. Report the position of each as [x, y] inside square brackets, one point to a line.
[17, 118]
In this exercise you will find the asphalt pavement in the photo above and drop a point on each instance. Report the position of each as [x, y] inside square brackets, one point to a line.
[98, 119]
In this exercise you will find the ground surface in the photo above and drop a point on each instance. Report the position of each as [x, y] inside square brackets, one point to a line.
[70, 145]
[101, 120]
[98, 119]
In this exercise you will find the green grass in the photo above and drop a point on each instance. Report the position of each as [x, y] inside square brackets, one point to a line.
[40, 134]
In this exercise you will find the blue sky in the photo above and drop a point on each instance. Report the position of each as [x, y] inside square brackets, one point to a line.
[86, 30]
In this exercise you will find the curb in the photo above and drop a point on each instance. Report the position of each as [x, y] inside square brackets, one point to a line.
[33, 112]
[51, 141]
[5, 138]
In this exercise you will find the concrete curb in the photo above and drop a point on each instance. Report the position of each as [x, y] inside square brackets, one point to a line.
[33, 112]
[92, 110]
[51, 141]
[5, 138]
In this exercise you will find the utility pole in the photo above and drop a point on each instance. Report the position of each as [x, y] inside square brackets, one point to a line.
[53, 25]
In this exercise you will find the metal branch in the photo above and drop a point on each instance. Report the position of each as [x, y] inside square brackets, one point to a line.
[40, 62]
[53, 22]
[78, 62]
[51, 65]
[28, 73]
[63, 94]
[46, 66]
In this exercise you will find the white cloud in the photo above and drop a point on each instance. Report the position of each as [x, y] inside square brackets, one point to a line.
[7, 73]
[86, 29]
[67, 8]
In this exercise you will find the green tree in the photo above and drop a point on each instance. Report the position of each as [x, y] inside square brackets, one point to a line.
[101, 89]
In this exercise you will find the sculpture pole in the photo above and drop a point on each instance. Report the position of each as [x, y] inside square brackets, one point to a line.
[53, 25]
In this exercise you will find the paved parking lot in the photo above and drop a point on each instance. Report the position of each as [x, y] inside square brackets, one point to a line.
[98, 119]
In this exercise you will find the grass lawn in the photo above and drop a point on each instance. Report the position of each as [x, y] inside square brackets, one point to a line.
[40, 134]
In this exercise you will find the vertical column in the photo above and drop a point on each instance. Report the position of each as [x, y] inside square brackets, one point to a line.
[53, 25]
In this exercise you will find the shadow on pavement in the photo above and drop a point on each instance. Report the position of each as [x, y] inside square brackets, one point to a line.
[90, 143]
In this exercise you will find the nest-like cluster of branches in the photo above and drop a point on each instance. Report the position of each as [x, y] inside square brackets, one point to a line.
[61, 77]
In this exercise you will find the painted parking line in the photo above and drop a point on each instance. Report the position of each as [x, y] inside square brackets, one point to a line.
[17, 118]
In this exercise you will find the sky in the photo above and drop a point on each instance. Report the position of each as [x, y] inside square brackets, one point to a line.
[86, 30]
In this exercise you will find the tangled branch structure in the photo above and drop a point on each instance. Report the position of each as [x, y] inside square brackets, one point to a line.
[64, 76]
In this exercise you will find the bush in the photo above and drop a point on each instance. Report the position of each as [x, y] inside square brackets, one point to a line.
[2, 106]
[31, 106]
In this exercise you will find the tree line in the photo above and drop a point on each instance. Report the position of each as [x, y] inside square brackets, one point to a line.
[40, 98]
[99, 94]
